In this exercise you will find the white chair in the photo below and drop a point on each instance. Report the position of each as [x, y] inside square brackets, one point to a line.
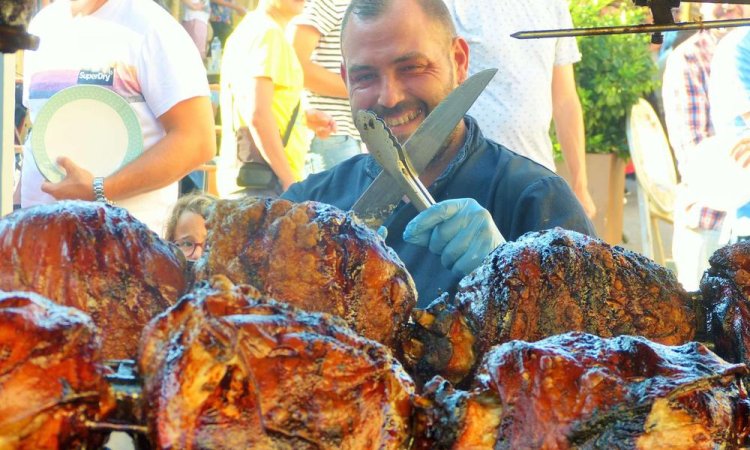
[656, 173]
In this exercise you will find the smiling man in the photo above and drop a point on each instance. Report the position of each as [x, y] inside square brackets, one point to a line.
[401, 59]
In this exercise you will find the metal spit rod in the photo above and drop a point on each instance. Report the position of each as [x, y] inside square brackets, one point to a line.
[629, 29]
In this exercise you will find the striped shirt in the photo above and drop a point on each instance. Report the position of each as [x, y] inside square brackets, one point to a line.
[326, 16]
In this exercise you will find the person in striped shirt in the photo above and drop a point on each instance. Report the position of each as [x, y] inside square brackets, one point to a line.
[316, 40]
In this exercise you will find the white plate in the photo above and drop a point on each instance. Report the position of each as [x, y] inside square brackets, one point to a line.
[93, 126]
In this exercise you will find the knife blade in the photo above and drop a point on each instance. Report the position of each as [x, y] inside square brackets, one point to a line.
[383, 195]
[386, 150]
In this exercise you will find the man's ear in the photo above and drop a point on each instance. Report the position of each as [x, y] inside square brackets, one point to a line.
[460, 55]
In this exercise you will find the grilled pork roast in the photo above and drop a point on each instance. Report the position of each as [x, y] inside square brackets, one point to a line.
[227, 368]
[726, 289]
[51, 377]
[580, 391]
[313, 256]
[547, 283]
[96, 258]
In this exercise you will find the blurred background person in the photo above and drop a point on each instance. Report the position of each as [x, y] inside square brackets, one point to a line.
[687, 114]
[138, 51]
[316, 37]
[195, 20]
[535, 83]
[221, 17]
[261, 87]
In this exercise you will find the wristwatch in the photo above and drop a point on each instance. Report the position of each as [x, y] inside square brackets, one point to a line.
[99, 191]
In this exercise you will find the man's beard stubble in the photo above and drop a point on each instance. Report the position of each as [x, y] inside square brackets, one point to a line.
[452, 139]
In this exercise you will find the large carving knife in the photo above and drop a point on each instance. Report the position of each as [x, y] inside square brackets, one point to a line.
[382, 196]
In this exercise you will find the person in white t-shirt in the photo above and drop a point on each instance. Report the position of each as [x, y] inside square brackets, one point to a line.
[137, 50]
[195, 20]
[535, 82]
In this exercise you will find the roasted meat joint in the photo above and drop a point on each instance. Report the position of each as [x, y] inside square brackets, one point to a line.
[300, 332]
[543, 284]
[228, 368]
[313, 256]
[577, 390]
[51, 375]
[96, 258]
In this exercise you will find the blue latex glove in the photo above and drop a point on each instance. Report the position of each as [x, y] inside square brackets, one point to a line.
[459, 230]
[382, 232]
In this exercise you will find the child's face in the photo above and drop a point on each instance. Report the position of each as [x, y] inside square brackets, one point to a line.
[190, 235]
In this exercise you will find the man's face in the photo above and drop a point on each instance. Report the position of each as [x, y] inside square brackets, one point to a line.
[400, 67]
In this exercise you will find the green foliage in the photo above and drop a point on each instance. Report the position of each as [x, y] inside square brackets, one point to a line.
[615, 70]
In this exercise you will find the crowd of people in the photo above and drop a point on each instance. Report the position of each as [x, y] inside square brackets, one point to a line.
[294, 71]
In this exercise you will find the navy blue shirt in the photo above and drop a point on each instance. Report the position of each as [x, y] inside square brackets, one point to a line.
[520, 194]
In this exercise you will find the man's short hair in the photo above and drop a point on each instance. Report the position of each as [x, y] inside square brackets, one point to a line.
[435, 10]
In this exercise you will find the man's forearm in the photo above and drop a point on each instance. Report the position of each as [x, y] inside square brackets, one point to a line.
[189, 142]
[158, 167]
[305, 39]
[570, 134]
[321, 81]
[229, 5]
[567, 114]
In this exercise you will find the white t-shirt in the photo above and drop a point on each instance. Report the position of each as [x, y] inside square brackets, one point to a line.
[516, 108]
[140, 53]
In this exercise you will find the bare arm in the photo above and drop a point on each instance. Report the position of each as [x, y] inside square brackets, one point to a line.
[189, 142]
[568, 117]
[317, 78]
[241, 10]
[265, 131]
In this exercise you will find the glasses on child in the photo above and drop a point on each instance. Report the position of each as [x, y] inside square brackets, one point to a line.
[188, 247]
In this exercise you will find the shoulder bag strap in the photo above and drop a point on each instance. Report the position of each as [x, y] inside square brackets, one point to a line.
[290, 125]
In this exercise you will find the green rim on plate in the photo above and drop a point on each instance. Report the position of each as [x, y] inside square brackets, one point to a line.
[48, 168]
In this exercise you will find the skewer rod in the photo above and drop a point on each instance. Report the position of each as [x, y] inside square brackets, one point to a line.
[600, 31]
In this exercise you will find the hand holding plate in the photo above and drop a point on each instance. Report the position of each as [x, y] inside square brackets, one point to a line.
[76, 184]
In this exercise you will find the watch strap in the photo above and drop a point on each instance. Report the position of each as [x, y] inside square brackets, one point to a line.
[99, 196]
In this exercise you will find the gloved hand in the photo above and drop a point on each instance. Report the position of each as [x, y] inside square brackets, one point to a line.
[459, 230]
